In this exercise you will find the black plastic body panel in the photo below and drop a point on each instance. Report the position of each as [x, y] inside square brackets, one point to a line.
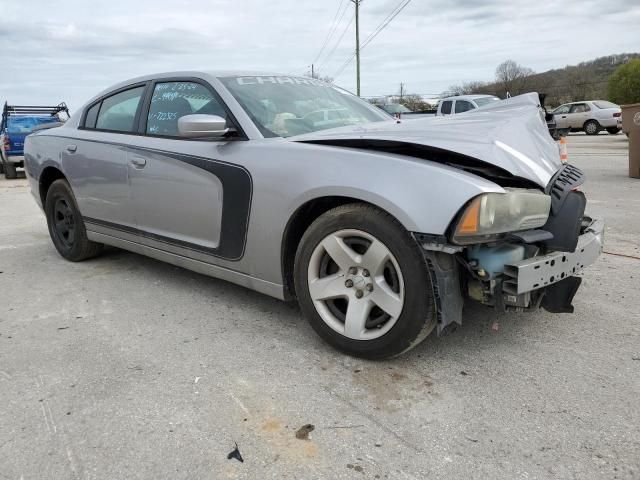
[558, 297]
[567, 209]
[565, 223]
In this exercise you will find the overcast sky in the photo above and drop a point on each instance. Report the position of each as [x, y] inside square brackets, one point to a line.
[69, 50]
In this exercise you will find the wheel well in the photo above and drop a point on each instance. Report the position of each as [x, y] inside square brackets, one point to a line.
[47, 177]
[297, 225]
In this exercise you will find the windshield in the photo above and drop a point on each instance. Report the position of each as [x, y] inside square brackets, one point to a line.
[286, 106]
[482, 101]
[605, 104]
[24, 125]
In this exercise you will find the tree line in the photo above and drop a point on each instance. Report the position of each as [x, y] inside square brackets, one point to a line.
[590, 80]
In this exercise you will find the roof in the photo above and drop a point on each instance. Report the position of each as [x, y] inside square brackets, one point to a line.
[189, 73]
[199, 73]
[583, 101]
[468, 97]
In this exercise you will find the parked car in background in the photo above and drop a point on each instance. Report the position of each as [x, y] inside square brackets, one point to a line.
[394, 108]
[379, 228]
[18, 121]
[398, 110]
[464, 103]
[590, 116]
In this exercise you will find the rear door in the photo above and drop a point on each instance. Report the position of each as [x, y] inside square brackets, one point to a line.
[463, 106]
[179, 186]
[446, 107]
[96, 160]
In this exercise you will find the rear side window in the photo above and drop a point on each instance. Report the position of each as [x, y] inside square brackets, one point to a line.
[92, 116]
[118, 112]
[172, 100]
[446, 107]
[463, 106]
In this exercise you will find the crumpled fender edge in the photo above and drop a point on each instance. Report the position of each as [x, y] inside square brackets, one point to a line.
[445, 279]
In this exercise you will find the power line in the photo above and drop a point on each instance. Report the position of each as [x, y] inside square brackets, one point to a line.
[332, 29]
[393, 14]
[388, 21]
[337, 44]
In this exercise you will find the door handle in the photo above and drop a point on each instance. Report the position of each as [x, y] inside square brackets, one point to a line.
[72, 148]
[138, 162]
[564, 116]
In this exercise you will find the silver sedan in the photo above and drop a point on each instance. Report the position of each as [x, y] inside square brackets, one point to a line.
[300, 190]
[590, 117]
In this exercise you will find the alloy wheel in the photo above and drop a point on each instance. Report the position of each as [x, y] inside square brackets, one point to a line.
[356, 284]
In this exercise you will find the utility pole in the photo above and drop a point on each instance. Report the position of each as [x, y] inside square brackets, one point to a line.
[312, 72]
[357, 4]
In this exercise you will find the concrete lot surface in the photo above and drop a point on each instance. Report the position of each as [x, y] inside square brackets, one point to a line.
[123, 367]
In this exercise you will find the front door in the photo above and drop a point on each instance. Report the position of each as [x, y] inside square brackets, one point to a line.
[179, 186]
[560, 116]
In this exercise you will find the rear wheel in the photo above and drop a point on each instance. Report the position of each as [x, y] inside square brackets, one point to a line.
[363, 283]
[66, 227]
[591, 127]
[613, 131]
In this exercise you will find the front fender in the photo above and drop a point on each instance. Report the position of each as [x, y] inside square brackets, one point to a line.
[423, 196]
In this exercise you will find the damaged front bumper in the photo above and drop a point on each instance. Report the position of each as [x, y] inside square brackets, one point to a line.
[538, 272]
[551, 276]
[546, 280]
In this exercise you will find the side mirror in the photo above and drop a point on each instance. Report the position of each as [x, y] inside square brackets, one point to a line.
[202, 126]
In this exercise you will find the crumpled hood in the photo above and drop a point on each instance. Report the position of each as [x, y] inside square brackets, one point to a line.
[511, 134]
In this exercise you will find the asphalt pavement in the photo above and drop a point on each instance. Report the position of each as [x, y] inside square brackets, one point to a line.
[123, 367]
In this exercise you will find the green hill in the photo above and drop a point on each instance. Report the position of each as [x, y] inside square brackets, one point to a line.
[586, 80]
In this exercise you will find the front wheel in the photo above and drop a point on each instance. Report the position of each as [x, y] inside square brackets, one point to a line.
[591, 127]
[66, 227]
[363, 283]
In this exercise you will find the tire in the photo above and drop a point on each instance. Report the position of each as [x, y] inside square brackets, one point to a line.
[613, 131]
[343, 288]
[591, 127]
[66, 227]
[10, 171]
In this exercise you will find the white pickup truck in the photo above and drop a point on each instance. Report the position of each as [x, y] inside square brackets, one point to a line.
[464, 103]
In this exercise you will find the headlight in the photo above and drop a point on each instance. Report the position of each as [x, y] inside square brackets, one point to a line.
[490, 214]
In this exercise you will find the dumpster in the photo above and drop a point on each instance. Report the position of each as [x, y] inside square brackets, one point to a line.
[631, 126]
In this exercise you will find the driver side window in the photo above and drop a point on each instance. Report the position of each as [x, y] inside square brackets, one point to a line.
[172, 100]
[562, 109]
